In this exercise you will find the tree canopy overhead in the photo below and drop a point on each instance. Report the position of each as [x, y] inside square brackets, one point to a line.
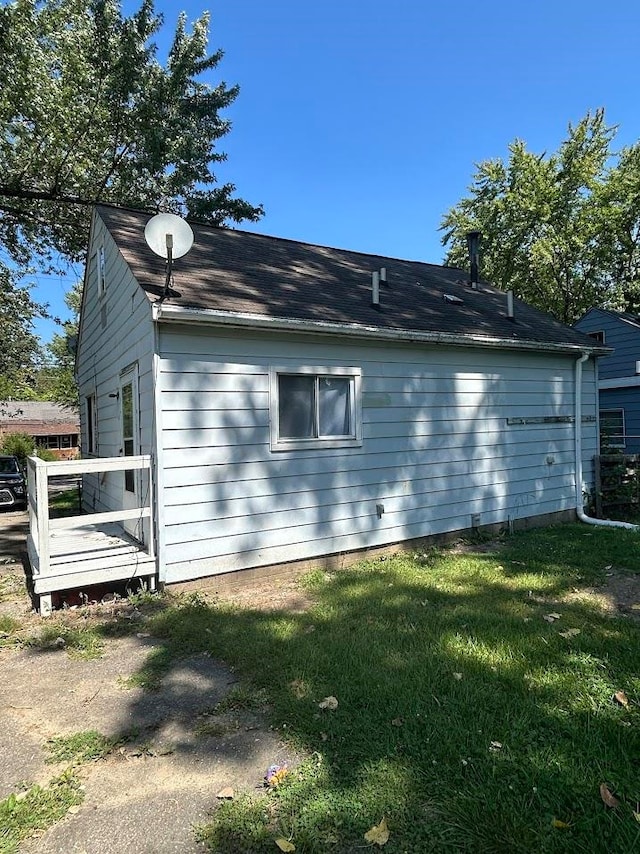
[561, 230]
[89, 113]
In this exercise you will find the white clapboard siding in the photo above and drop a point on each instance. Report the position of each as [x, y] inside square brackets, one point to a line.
[321, 506]
[115, 332]
[343, 473]
[237, 498]
[436, 447]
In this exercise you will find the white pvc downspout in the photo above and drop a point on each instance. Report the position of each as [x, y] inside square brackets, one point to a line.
[582, 516]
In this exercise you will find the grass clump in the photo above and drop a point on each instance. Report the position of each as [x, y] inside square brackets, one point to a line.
[468, 717]
[9, 629]
[243, 698]
[36, 809]
[80, 747]
[82, 642]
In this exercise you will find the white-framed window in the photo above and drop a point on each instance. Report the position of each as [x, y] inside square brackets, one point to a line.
[100, 271]
[612, 432]
[92, 424]
[315, 407]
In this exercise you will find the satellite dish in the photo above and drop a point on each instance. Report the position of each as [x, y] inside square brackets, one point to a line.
[168, 235]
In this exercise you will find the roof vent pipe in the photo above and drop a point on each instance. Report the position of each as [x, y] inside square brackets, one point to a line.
[375, 290]
[383, 275]
[510, 313]
[473, 243]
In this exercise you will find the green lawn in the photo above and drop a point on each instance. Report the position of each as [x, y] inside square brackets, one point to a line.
[65, 503]
[465, 719]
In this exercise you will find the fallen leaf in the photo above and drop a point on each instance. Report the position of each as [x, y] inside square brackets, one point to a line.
[495, 745]
[552, 617]
[328, 703]
[397, 722]
[636, 815]
[570, 633]
[457, 676]
[621, 698]
[607, 798]
[559, 824]
[225, 794]
[285, 845]
[636, 607]
[298, 688]
[379, 834]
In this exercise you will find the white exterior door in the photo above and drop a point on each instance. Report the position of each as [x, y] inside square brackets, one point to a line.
[129, 421]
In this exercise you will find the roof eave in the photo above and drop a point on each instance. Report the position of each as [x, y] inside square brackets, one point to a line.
[166, 313]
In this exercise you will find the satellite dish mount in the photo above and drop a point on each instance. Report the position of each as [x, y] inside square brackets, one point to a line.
[169, 236]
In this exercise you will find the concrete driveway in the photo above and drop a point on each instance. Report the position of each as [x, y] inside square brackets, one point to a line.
[14, 525]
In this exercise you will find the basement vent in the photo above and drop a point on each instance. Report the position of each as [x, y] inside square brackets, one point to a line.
[454, 300]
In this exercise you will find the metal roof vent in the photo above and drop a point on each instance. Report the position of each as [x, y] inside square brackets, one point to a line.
[473, 243]
[452, 299]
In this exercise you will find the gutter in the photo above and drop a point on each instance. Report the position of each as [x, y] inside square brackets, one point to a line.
[163, 313]
[582, 516]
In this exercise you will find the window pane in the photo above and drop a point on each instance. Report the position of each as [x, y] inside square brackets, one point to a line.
[295, 407]
[612, 427]
[335, 408]
[127, 410]
[91, 442]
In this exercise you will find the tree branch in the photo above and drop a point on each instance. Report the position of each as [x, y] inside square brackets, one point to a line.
[8, 192]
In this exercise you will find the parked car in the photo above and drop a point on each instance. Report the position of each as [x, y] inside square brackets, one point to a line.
[13, 487]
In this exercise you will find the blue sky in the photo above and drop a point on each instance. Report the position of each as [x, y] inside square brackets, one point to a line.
[358, 124]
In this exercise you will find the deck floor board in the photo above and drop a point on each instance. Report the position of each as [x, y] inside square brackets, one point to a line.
[92, 554]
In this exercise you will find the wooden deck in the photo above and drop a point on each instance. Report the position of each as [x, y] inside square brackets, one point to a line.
[80, 551]
[87, 554]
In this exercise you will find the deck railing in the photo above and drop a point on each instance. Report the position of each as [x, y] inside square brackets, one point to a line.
[51, 571]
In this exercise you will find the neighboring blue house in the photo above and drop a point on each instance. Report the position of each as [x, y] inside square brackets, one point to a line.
[619, 376]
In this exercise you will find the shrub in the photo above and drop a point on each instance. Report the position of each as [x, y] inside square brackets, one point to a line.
[45, 454]
[18, 445]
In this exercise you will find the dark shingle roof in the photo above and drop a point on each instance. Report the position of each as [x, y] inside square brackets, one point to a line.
[245, 273]
[38, 418]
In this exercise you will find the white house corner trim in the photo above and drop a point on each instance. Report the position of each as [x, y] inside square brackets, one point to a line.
[158, 462]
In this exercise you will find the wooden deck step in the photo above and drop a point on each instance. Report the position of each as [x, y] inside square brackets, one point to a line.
[92, 554]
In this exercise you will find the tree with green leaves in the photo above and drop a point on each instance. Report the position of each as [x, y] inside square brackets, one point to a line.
[20, 353]
[89, 114]
[56, 378]
[560, 230]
